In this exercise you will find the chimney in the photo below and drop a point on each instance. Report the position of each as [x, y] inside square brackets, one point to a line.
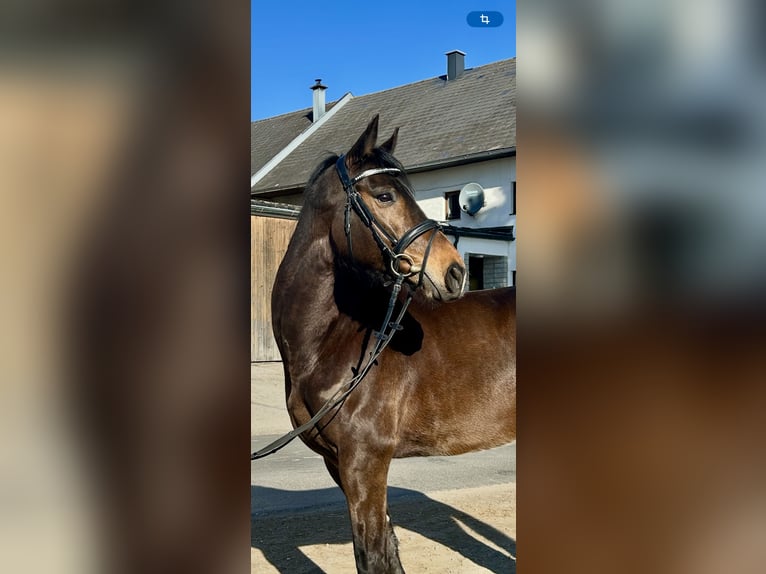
[319, 103]
[455, 64]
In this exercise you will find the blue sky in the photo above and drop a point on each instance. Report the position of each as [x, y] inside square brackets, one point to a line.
[363, 47]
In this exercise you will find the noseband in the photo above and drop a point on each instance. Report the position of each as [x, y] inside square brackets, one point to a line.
[393, 251]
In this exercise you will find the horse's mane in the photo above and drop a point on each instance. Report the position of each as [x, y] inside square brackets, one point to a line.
[326, 162]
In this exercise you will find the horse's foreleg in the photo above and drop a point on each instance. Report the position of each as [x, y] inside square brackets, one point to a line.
[332, 468]
[364, 478]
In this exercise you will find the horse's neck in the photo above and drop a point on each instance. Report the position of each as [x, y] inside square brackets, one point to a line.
[316, 303]
[360, 296]
[303, 302]
[308, 278]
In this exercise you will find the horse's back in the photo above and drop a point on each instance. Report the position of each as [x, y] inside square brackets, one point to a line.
[487, 311]
[502, 297]
[460, 388]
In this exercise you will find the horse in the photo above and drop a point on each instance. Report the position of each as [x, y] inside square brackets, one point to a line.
[444, 384]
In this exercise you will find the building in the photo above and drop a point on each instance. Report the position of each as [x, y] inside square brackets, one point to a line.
[457, 134]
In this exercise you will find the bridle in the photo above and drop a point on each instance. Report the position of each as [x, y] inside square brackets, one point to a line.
[392, 250]
[391, 247]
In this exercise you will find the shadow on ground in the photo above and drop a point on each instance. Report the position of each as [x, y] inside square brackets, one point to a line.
[329, 524]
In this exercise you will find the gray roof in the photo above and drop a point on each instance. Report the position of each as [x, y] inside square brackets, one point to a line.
[440, 121]
[268, 137]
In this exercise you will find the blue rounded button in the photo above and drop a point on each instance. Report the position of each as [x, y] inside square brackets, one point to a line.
[484, 19]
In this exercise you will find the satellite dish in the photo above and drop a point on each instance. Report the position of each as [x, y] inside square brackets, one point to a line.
[471, 198]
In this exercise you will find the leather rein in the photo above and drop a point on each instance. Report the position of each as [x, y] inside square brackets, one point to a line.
[393, 251]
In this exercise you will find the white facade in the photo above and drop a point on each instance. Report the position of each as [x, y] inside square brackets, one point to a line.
[496, 259]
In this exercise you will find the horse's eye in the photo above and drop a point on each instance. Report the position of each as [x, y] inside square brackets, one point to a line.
[385, 198]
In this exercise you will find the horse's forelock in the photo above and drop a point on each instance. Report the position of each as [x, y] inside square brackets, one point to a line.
[385, 159]
[379, 158]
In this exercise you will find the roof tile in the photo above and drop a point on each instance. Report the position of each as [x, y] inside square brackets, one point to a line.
[439, 120]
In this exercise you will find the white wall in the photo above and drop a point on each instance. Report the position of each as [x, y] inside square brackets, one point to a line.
[496, 177]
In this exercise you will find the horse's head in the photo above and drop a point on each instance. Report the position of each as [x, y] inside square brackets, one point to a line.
[378, 225]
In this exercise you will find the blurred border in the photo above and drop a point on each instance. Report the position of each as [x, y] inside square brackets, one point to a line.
[641, 287]
[125, 340]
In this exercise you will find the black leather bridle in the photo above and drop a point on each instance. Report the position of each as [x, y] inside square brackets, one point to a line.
[392, 250]
[391, 247]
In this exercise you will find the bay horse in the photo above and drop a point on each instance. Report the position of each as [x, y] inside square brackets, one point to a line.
[446, 383]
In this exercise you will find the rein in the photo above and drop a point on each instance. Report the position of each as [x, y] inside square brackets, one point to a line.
[383, 338]
[395, 253]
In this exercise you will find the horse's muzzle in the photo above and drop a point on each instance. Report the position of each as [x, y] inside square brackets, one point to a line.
[454, 280]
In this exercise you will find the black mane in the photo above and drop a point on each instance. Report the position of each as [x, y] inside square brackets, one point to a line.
[326, 162]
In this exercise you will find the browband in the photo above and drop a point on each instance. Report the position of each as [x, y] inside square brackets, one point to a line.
[348, 182]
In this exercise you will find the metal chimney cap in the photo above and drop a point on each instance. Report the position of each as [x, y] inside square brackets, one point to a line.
[455, 64]
[454, 52]
[318, 85]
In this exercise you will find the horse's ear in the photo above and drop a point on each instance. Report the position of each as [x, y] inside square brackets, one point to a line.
[390, 143]
[366, 142]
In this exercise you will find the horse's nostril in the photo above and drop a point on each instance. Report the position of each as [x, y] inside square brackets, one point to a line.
[454, 278]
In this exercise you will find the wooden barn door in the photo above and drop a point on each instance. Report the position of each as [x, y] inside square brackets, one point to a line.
[269, 237]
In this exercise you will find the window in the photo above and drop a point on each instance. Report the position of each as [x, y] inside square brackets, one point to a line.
[513, 198]
[475, 272]
[452, 205]
[487, 271]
